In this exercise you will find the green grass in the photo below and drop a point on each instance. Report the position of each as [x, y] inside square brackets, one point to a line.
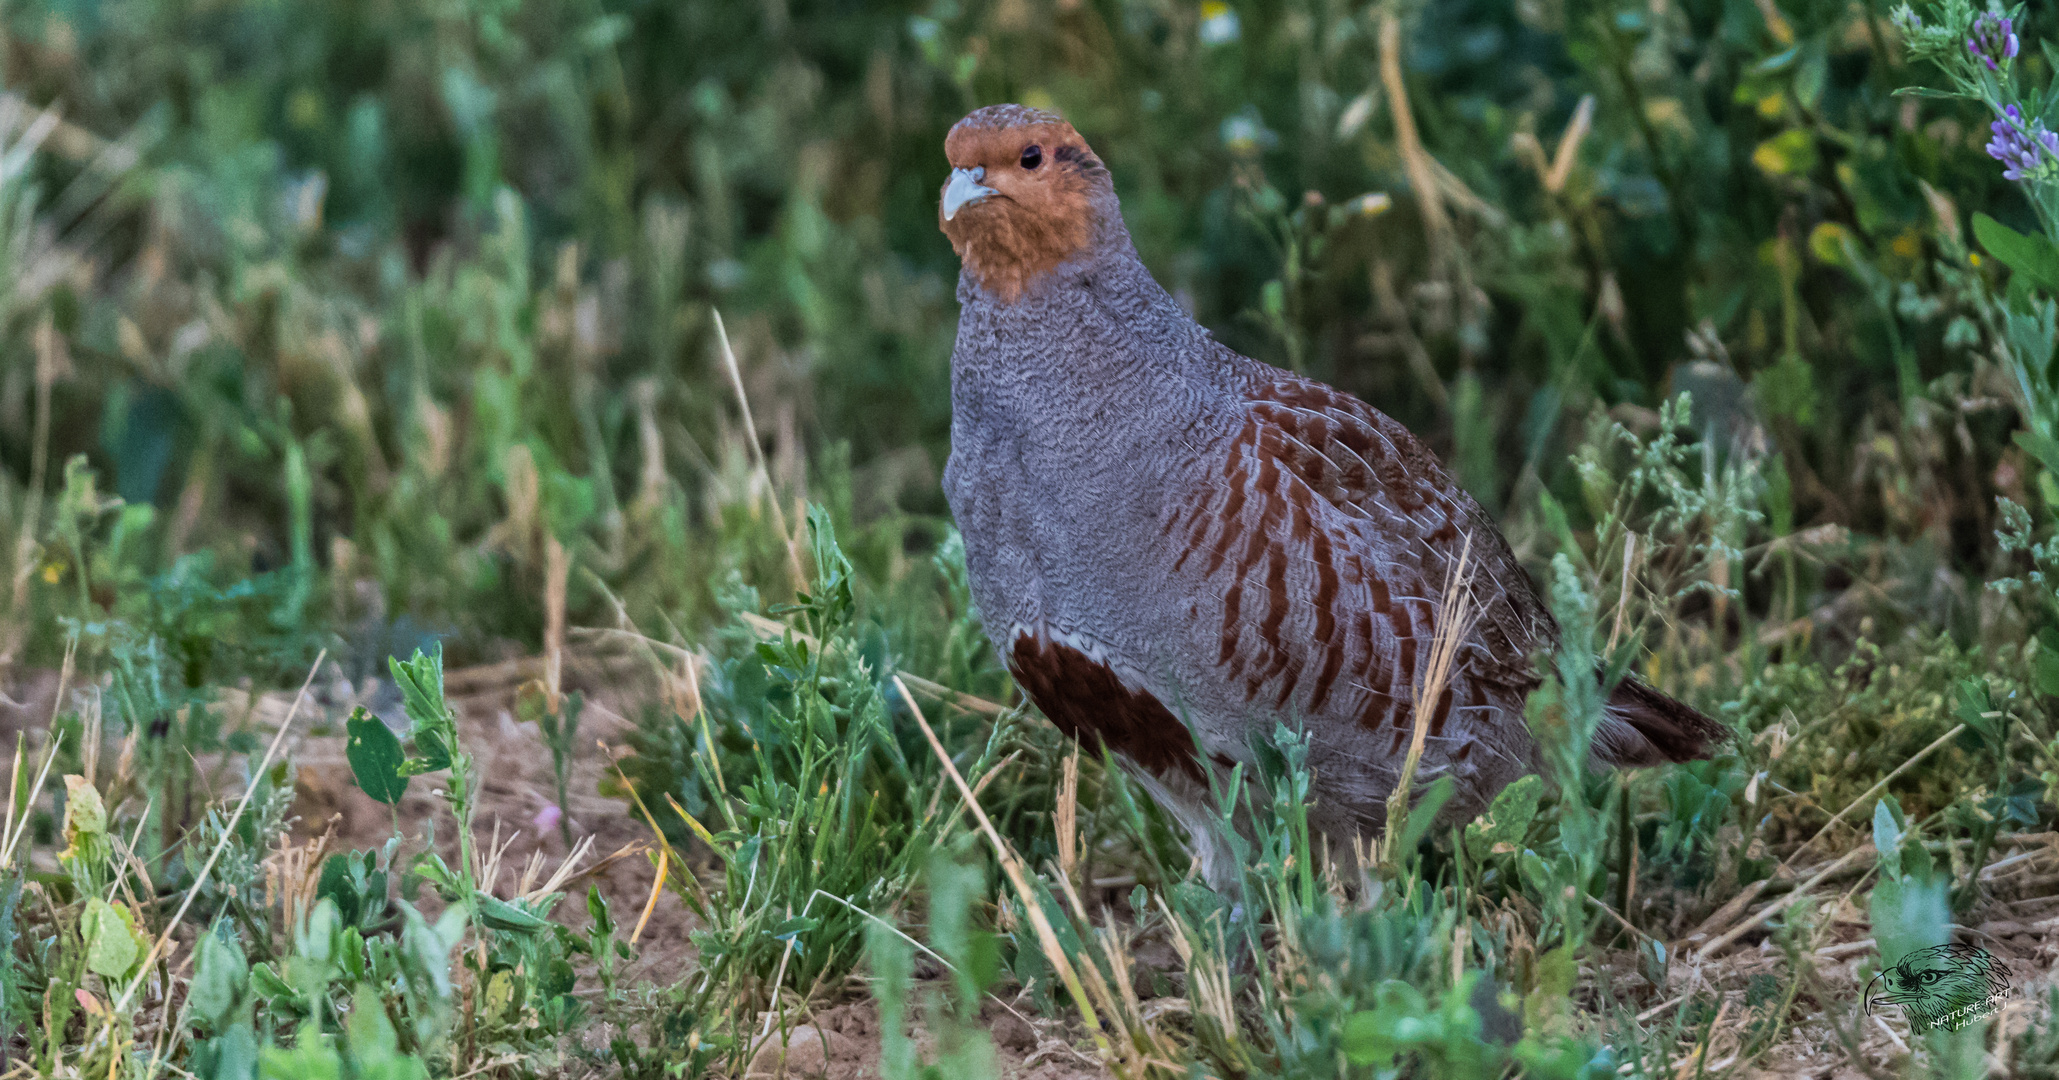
[345, 341]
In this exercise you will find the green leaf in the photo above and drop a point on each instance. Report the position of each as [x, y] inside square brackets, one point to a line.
[421, 689]
[312, 1058]
[2048, 662]
[232, 1055]
[220, 974]
[1790, 153]
[1502, 828]
[1365, 1039]
[1981, 718]
[375, 757]
[597, 910]
[1424, 813]
[353, 881]
[375, 1045]
[2042, 447]
[501, 915]
[113, 947]
[2032, 256]
[430, 754]
[268, 985]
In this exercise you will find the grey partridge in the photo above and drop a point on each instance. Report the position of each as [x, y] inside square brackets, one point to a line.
[1175, 547]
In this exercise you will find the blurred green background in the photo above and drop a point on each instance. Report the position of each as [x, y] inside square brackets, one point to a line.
[385, 293]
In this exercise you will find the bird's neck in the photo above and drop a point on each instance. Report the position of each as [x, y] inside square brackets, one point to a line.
[1099, 319]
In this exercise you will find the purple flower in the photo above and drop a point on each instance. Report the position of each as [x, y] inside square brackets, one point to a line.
[1994, 40]
[2023, 149]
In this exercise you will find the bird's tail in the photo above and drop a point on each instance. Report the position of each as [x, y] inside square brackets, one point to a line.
[1644, 727]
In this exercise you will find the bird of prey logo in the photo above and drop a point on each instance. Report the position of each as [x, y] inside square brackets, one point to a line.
[1944, 986]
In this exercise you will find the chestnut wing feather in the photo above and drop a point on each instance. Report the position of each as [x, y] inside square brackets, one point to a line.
[1333, 517]
[1327, 531]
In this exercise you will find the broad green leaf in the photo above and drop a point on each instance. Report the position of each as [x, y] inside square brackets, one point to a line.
[375, 757]
[375, 1046]
[232, 1055]
[597, 911]
[2032, 256]
[220, 974]
[113, 947]
[1366, 1040]
[1502, 828]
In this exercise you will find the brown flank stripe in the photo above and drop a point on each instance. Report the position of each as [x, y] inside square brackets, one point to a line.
[1089, 703]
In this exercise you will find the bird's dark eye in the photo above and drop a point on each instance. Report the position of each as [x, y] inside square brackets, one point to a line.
[1032, 156]
[1932, 976]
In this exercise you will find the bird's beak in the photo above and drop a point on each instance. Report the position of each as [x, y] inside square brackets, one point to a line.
[1890, 995]
[964, 188]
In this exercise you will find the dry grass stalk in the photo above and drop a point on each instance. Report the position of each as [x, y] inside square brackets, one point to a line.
[743, 403]
[1454, 622]
[1209, 983]
[524, 493]
[1098, 982]
[1569, 146]
[1047, 938]
[1623, 595]
[1799, 895]
[1415, 161]
[1066, 818]
[657, 888]
[557, 567]
[293, 872]
[652, 480]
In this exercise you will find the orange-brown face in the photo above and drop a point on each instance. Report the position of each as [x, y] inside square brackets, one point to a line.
[1020, 197]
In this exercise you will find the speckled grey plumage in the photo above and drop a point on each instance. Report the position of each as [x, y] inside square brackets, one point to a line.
[1109, 471]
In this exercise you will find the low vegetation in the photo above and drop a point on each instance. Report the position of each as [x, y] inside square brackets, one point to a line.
[478, 603]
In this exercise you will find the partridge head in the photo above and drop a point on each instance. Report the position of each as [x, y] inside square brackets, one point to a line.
[1177, 549]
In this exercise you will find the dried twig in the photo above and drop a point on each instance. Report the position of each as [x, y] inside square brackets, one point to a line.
[1800, 894]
